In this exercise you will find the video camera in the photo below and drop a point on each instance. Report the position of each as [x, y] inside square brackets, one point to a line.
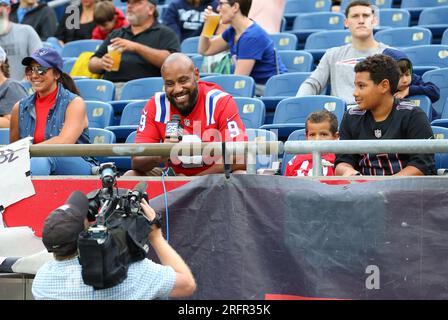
[120, 234]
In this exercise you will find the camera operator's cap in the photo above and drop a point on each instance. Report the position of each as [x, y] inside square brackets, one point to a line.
[46, 57]
[63, 226]
[154, 2]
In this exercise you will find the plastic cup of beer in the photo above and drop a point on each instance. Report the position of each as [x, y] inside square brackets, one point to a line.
[210, 25]
[115, 54]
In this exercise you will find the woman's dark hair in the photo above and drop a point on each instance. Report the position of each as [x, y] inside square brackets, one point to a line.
[381, 67]
[5, 68]
[68, 83]
[244, 6]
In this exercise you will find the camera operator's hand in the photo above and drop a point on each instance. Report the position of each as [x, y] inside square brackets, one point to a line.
[151, 215]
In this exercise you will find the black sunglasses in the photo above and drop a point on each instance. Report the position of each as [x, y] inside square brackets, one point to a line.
[37, 70]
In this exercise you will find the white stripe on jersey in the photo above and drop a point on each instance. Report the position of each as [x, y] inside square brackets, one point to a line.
[215, 95]
[162, 107]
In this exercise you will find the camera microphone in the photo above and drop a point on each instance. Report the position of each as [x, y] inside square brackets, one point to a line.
[174, 129]
[138, 192]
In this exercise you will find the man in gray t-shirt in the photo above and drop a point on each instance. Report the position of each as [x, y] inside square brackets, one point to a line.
[337, 65]
[18, 40]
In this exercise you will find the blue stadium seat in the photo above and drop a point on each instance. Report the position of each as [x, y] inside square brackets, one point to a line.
[190, 45]
[96, 89]
[143, 88]
[425, 58]
[54, 43]
[380, 4]
[124, 163]
[422, 102]
[440, 78]
[68, 64]
[283, 24]
[415, 7]
[252, 111]
[282, 86]
[297, 135]
[404, 37]
[296, 7]
[261, 135]
[236, 85]
[394, 18]
[129, 121]
[445, 38]
[75, 48]
[284, 41]
[317, 43]
[308, 23]
[435, 19]
[101, 136]
[296, 60]
[100, 114]
[197, 60]
[441, 158]
[443, 121]
[291, 113]
[4, 136]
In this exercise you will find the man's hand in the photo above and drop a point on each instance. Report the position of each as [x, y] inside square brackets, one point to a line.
[125, 45]
[402, 94]
[106, 62]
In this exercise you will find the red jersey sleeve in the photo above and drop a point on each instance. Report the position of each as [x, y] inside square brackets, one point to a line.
[230, 125]
[148, 129]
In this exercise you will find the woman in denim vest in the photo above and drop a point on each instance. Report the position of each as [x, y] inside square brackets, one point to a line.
[54, 114]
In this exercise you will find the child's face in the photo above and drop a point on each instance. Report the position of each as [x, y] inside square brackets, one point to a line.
[367, 94]
[405, 81]
[320, 131]
[107, 26]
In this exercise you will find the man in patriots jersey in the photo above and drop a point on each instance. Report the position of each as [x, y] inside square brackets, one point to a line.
[319, 125]
[336, 67]
[379, 115]
[206, 112]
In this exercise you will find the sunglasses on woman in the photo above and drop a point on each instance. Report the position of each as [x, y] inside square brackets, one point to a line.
[37, 70]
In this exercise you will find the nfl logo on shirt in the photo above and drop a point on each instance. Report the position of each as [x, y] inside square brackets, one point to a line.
[378, 133]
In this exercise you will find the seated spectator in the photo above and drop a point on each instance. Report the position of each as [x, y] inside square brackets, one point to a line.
[379, 115]
[268, 14]
[11, 91]
[250, 46]
[336, 66]
[70, 29]
[320, 125]
[38, 15]
[145, 45]
[188, 98]
[336, 6]
[411, 84]
[107, 18]
[54, 114]
[186, 17]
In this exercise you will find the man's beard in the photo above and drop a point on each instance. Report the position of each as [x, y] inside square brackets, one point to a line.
[133, 19]
[186, 110]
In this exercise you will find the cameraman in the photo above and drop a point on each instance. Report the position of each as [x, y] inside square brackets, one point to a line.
[62, 279]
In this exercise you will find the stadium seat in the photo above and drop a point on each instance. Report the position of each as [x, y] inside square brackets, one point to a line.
[415, 7]
[394, 18]
[190, 45]
[435, 19]
[424, 103]
[283, 24]
[96, 89]
[296, 7]
[252, 111]
[404, 37]
[75, 48]
[101, 136]
[445, 38]
[4, 136]
[380, 4]
[68, 64]
[317, 43]
[260, 135]
[440, 78]
[197, 60]
[236, 85]
[282, 86]
[124, 163]
[291, 113]
[294, 136]
[129, 121]
[53, 42]
[443, 121]
[441, 158]
[296, 60]
[425, 58]
[143, 88]
[100, 114]
[284, 41]
[308, 23]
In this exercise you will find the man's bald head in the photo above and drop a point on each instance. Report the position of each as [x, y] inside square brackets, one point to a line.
[178, 60]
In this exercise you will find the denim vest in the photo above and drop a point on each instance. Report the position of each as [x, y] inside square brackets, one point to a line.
[55, 119]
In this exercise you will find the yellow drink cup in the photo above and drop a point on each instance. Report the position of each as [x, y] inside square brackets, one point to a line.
[210, 25]
[115, 54]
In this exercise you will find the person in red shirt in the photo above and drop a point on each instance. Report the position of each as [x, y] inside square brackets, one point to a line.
[107, 18]
[206, 112]
[320, 125]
